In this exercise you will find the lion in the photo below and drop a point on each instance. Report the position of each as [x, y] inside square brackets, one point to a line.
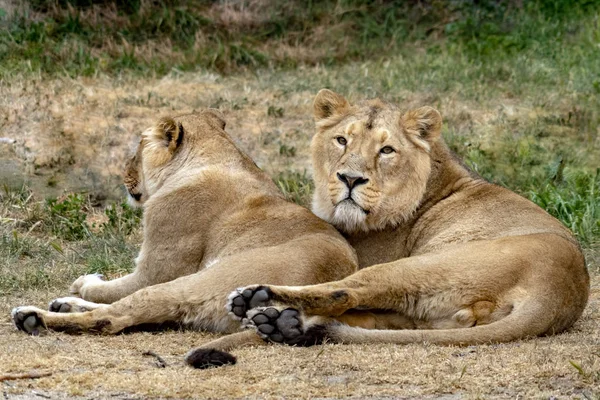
[213, 221]
[445, 257]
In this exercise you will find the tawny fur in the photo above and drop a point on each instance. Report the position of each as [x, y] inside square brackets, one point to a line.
[213, 221]
[441, 249]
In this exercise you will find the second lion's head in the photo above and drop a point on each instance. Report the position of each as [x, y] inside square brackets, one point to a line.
[174, 145]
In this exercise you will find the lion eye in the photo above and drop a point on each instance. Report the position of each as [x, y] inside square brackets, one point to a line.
[341, 140]
[387, 150]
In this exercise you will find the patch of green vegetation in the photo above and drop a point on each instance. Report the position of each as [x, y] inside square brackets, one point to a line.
[23, 260]
[68, 217]
[122, 219]
[575, 200]
[52, 242]
[287, 151]
[276, 112]
[109, 255]
[81, 37]
[296, 187]
[17, 246]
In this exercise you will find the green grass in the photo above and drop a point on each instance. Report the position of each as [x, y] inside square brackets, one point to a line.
[87, 37]
[297, 187]
[575, 200]
[54, 241]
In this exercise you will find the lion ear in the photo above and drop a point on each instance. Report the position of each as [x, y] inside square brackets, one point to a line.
[424, 124]
[217, 116]
[166, 134]
[328, 103]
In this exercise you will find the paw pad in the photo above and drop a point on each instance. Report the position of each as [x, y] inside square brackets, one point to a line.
[276, 326]
[242, 300]
[28, 321]
[59, 307]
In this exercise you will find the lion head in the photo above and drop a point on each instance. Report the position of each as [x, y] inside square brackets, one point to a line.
[371, 161]
[167, 148]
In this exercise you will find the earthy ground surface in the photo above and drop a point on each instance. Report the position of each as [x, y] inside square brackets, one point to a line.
[563, 366]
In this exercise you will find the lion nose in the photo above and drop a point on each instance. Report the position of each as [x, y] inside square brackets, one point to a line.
[352, 181]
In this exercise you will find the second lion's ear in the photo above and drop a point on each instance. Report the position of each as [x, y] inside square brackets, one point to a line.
[169, 133]
[328, 103]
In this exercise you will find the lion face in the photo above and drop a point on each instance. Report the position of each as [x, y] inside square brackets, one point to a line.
[165, 149]
[371, 162]
[132, 178]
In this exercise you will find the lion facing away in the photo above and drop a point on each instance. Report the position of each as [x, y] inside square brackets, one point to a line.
[213, 221]
[446, 257]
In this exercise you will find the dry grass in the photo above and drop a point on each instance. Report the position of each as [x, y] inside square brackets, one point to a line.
[75, 134]
[114, 366]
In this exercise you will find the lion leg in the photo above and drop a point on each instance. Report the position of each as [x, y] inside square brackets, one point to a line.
[327, 299]
[142, 307]
[33, 320]
[501, 289]
[287, 325]
[94, 289]
[167, 302]
[196, 300]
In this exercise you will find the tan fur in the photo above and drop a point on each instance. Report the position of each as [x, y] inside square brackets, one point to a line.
[441, 249]
[213, 221]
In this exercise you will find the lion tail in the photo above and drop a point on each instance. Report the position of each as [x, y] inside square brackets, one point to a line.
[529, 320]
[215, 353]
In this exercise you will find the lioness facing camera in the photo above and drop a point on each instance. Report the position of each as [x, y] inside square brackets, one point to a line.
[213, 221]
[451, 258]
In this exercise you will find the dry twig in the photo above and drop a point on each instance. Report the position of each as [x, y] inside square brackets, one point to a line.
[27, 375]
[160, 362]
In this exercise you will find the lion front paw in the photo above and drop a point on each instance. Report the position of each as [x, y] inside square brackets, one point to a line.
[84, 280]
[246, 298]
[28, 319]
[284, 326]
[71, 305]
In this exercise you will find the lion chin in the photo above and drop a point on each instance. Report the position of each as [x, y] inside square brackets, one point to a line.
[349, 217]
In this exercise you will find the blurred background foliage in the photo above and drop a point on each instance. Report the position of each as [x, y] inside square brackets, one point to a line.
[85, 37]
